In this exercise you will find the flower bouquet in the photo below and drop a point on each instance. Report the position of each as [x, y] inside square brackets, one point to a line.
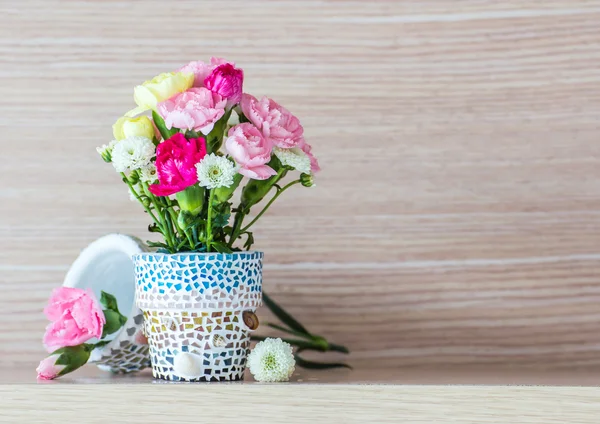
[193, 141]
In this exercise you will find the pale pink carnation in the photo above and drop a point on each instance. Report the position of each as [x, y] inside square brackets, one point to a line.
[76, 318]
[48, 370]
[306, 148]
[251, 151]
[276, 123]
[201, 70]
[195, 109]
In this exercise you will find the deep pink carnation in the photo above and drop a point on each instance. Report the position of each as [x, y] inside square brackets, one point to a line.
[76, 318]
[276, 123]
[176, 160]
[226, 80]
[250, 150]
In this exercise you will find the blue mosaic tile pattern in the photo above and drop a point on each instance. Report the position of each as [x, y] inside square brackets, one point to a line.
[198, 280]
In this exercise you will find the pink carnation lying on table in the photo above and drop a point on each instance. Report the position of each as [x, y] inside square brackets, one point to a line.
[76, 318]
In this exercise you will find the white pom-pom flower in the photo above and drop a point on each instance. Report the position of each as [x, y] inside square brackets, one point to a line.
[106, 151]
[294, 158]
[215, 171]
[272, 360]
[132, 153]
[148, 174]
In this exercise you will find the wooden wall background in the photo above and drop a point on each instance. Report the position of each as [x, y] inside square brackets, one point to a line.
[457, 216]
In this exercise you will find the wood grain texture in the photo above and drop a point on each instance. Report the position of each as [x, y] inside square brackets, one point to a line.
[456, 220]
[226, 403]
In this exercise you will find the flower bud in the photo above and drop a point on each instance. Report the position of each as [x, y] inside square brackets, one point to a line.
[223, 194]
[140, 126]
[105, 151]
[307, 180]
[158, 89]
[191, 199]
[63, 361]
[134, 178]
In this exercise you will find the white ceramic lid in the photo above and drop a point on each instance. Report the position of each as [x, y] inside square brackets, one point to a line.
[106, 265]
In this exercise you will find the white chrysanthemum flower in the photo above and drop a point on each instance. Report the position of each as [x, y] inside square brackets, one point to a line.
[293, 157]
[132, 153]
[148, 173]
[215, 171]
[106, 151]
[272, 360]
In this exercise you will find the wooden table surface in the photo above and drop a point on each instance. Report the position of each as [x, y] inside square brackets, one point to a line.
[455, 224]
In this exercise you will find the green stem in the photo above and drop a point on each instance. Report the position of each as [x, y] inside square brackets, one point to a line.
[243, 230]
[167, 230]
[209, 220]
[135, 194]
[235, 231]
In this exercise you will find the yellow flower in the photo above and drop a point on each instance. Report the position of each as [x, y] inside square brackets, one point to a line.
[158, 89]
[133, 127]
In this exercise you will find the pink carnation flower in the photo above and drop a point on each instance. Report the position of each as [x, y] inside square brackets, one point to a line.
[176, 160]
[76, 318]
[250, 150]
[226, 80]
[201, 70]
[276, 123]
[195, 109]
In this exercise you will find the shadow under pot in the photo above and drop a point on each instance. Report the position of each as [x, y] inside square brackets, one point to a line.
[199, 311]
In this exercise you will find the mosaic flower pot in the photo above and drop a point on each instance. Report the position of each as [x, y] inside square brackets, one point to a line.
[106, 265]
[199, 312]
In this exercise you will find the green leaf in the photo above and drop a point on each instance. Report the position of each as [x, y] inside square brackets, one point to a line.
[154, 229]
[314, 338]
[114, 322]
[157, 244]
[162, 128]
[338, 348]
[314, 365]
[285, 317]
[287, 330]
[249, 241]
[302, 344]
[108, 301]
[214, 139]
[223, 213]
[221, 247]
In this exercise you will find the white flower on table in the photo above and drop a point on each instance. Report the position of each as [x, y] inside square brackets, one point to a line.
[272, 360]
